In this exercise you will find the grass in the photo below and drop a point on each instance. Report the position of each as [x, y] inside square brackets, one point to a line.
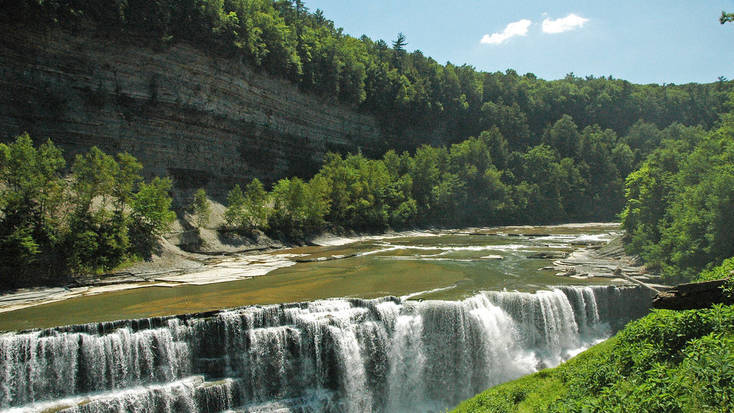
[538, 391]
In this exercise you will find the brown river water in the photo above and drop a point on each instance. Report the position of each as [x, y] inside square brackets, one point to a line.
[450, 265]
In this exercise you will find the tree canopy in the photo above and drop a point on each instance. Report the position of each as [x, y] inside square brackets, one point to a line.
[54, 224]
[404, 90]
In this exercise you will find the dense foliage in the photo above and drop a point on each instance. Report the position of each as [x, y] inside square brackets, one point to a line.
[95, 218]
[541, 151]
[405, 90]
[573, 176]
[680, 203]
[666, 362]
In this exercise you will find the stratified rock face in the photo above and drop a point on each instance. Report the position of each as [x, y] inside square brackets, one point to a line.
[207, 122]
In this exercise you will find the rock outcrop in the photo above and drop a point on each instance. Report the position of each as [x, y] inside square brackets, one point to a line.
[693, 295]
[205, 121]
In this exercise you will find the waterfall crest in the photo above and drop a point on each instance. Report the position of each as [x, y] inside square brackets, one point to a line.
[339, 355]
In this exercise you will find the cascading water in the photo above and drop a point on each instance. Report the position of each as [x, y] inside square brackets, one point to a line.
[340, 355]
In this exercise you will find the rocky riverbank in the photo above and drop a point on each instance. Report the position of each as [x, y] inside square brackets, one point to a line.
[200, 256]
[607, 260]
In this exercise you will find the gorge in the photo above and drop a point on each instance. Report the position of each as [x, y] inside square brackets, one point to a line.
[129, 298]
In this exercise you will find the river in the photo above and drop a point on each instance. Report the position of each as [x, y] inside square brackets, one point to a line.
[464, 310]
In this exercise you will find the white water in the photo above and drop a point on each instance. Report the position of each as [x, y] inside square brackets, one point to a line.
[333, 355]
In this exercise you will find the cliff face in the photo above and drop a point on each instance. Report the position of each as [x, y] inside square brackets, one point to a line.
[205, 121]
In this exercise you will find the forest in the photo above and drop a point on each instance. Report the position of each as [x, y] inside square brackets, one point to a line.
[404, 90]
[573, 176]
[498, 148]
[678, 217]
[678, 214]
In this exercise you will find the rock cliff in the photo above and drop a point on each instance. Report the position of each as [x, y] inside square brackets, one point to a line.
[205, 121]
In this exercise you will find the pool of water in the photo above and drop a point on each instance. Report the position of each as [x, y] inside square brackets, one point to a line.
[443, 265]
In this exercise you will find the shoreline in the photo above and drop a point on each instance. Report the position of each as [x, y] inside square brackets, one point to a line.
[175, 267]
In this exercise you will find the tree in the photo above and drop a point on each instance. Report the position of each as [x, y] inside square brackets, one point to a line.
[94, 176]
[201, 208]
[127, 179]
[543, 176]
[151, 214]
[564, 137]
[249, 210]
[256, 199]
[398, 46]
[498, 147]
[400, 42]
[31, 195]
[235, 215]
[98, 236]
[92, 220]
[726, 17]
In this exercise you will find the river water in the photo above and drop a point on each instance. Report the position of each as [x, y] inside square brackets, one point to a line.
[486, 321]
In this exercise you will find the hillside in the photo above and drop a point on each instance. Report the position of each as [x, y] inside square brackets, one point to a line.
[665, 362]
[216, 93]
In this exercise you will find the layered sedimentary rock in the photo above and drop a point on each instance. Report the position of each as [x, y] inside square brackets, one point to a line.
[206, 121]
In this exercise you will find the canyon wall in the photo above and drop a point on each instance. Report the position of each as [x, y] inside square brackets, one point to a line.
[205, 121]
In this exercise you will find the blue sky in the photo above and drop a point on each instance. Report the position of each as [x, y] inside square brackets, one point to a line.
[644, 41]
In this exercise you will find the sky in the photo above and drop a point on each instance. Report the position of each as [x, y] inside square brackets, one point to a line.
[643, 41]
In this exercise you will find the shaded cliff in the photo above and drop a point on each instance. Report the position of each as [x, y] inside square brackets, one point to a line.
[206, 121]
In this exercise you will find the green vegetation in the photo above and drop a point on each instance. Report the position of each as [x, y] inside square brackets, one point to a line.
[678, 214]
[575, 149]
[479, 181]
[201, 208]
[247, 211]
[666, 362]
[95, 218]
[540, 152]
[403, 89]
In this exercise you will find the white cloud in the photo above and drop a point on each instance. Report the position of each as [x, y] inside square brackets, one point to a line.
[564, 24]
[518, 28]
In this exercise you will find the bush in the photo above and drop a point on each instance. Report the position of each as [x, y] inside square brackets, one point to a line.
[665, 362]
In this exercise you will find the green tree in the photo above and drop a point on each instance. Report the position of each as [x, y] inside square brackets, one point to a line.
[94, 175]
[31, 196]
[256, 203]
[127, 179]
[235, 215]
[151, 214]
[564, 137]
[201, 208]
[249, 210]
[152, 205]
[98, 237]
[542, 173]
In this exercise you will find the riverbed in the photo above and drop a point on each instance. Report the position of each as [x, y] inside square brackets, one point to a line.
[444, 265]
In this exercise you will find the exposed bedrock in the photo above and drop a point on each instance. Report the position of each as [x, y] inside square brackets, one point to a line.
[206, 121]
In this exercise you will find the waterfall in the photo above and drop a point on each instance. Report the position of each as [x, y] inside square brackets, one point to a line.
[339, 355]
